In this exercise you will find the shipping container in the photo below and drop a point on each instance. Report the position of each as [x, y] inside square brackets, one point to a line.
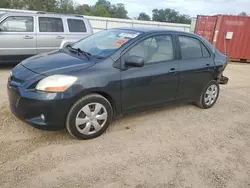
[229, 34]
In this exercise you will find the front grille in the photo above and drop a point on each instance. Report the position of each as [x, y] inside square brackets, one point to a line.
[14, 79]
[15, 82]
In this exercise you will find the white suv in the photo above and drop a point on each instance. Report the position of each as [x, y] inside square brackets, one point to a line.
[27, 33]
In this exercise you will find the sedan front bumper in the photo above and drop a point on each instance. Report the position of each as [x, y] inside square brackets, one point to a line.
[46, 111]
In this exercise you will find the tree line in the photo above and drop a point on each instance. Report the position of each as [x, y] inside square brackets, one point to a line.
[101, 8]
[166, 15]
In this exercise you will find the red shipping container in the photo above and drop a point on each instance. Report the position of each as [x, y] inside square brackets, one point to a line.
[229, 34]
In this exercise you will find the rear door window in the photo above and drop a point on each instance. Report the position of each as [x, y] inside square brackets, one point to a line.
[76, 25]
[18, 24]
[205, 51]
[47, 24]
[190, 48]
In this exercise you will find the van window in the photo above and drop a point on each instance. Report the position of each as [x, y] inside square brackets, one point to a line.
[50, 24]
[18, 24]
[76, 25]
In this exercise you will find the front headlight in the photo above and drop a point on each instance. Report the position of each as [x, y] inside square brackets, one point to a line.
[55, 83]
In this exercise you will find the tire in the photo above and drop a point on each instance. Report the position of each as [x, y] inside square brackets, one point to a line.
[210, 90]
[85, 116]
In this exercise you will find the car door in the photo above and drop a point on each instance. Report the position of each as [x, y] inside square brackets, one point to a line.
[17, 38]
[157, 81]
[51, 32]
[196, 66]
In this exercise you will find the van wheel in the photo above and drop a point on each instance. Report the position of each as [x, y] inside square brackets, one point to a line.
[209, 95]
[89, 117]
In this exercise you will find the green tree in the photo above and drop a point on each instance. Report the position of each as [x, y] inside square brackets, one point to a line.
[100, 10]
[83, 9]
[105, 3]
[242, 14]
[115, 10]
[170, 15]
[65, 6]
[119, 11]
[12, 4]
[159, 15]
[5, 4]
[143, 16]
[185, 19]
[41, 5]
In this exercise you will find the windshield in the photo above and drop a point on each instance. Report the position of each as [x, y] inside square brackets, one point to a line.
[103, 44]
[1, 15]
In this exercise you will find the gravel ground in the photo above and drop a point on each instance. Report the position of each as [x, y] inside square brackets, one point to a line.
[172, 147]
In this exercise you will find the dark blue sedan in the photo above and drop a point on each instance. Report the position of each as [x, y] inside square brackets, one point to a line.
[84, 86]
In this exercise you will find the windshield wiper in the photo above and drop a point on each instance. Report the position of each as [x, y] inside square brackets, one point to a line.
[78, 50]
[70, 48]
[88, 55]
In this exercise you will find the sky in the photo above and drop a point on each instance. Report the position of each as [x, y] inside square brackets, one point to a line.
[190, 7]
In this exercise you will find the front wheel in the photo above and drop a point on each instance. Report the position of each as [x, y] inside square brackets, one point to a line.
[89, 117]
[209, 95]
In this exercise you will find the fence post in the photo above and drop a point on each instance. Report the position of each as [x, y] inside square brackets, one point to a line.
[106, 24]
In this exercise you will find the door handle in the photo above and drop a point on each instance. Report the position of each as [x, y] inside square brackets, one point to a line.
[207, 65]
[60, 37]
[173, 70]
[28, 37]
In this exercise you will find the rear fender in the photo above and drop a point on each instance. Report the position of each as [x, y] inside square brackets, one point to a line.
[221, 62]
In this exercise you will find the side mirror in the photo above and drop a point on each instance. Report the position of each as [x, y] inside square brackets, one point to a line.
[134, 61]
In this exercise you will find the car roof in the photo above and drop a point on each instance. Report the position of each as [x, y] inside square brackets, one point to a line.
[156, 29]
[150, 29]
[18, 12]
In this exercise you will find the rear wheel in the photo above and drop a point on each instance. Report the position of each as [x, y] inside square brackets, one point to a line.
[209, 95]
[89, 117]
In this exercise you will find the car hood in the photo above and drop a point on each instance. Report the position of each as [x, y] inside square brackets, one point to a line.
[56, 62]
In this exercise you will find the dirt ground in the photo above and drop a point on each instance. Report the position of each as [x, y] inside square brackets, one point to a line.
[172, 147]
